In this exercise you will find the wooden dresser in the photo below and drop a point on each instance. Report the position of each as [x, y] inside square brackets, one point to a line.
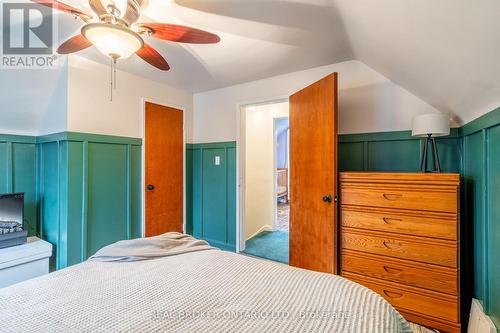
[400, 238]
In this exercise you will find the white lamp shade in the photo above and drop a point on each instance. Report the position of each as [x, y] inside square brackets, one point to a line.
[113, 40]
[436, 124]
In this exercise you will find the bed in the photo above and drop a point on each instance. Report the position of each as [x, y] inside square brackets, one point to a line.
[208, 290]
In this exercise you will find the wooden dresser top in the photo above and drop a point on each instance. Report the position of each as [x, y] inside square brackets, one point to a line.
[450, 179]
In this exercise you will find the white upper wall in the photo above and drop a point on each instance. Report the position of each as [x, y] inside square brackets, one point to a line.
[368, 102]
[33, 100]
[91, 111]
[75, 97]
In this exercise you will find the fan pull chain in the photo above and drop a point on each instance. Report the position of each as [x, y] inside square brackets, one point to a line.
[113, 76]
[111, 81]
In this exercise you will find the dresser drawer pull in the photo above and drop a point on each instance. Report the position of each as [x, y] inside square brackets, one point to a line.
[392, 270]
[392, 294]
[388, 220]
[392, 197]
[391, 245]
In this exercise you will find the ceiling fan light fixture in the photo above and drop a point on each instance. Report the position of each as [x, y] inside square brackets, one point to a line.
[113, 40]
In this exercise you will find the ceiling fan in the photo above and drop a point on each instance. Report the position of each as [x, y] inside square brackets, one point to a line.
[114, 29]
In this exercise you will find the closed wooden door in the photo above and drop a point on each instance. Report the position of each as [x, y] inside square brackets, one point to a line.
[313, 176]
[164, 169]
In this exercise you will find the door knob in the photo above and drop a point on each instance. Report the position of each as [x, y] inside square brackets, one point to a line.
[151, 187]
[327, 198]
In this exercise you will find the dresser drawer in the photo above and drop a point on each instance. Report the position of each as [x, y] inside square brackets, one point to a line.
[437, 226]
[439, 279]
[400, 198]
[436, 252]
[412, 299]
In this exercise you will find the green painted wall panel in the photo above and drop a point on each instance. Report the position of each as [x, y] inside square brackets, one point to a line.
[189, 191]
[393, 155]
[62, 245]
[49, 197]
[24, 180]
[450, 154]
[231, 196]
[106, 195]
[473, 181]
[211, 193]
[493, 223]
[71, 201]
[5, 170]
[90, 193]
[351, 156]
[214, 195]
[394, 151]
[196, 192]
[18, 174]
[136, 191]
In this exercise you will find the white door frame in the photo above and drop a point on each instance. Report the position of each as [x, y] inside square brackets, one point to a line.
[144, 100]
[240, 163]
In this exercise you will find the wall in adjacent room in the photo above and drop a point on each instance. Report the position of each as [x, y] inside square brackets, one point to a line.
[260, 171]
[368, 101]
[282, 148]
[211, 193]
[91, 111]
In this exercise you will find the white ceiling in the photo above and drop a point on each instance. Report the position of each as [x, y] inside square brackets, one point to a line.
[447, 52]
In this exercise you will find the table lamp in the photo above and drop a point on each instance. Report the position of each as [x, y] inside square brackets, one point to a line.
[429, 126]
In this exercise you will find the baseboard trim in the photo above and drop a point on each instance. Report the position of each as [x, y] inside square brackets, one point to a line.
[266, 227]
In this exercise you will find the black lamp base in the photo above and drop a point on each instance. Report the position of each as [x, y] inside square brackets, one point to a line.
[423, 161]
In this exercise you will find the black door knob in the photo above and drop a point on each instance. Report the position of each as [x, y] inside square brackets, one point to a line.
[327, 198]
[151, 187]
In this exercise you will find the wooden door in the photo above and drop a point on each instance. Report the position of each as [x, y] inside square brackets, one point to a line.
[313, 176]
[164, 169]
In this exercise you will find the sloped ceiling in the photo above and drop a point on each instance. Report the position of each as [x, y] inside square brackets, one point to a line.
[447, 52]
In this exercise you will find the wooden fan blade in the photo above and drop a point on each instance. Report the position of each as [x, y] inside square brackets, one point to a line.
[74, 44]
[152, 57]
[97, 7]
[179, 33]
[63, 7]
[132, 13]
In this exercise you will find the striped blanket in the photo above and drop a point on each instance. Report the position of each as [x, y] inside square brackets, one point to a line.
[204, 291]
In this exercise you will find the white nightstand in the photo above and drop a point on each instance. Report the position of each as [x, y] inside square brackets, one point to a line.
[23, 262]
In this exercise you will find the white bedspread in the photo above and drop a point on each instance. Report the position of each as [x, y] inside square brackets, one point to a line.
[206, 291]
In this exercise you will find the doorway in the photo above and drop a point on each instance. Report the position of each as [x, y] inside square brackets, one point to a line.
[312, 179]
[265, 236]
[164, 169]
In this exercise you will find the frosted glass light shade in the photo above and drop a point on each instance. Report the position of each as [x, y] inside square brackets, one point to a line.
[113, 40]
[436, 124]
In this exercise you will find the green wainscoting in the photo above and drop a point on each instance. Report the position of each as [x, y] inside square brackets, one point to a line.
[211, 193]
[18, 173]
[481, 205]
[395, 151]
[90, 192]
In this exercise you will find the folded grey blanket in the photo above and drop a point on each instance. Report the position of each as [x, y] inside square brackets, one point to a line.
[168, 244]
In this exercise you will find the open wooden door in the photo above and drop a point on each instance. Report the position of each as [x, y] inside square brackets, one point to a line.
[164, 169]
[313, 176]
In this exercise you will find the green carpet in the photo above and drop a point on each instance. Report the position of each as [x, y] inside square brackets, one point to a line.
[272, 245]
